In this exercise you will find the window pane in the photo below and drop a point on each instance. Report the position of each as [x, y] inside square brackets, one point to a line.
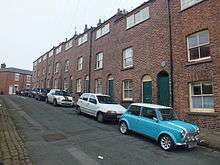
[145, 13]
[149, 113]
[138, 17]
[197, 102]
[197, 90]
[204, 37]
[204, 51]
[194, 53]
[208, 102]
[193, 41]
[135, 110]
[207, 88]
[130, 21]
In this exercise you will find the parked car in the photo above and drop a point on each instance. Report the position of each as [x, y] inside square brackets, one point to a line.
[159, 123]
[33, 92]
[42, 94]
[103, 107]
[59, 97]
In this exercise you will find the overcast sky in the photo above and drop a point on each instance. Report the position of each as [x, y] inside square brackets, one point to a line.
[29, 28]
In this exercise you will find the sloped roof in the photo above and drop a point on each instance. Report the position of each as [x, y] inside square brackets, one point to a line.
[16, 70]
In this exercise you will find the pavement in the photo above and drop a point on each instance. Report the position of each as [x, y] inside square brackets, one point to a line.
[58, 136]
[11, 146]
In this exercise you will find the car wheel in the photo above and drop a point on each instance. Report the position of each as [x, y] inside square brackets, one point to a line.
[55, 102]
[166, 143]
[78, 110]
[123, 128]
[100, 117]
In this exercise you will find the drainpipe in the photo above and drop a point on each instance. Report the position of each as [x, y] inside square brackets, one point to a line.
[171, 51]
[90, 60]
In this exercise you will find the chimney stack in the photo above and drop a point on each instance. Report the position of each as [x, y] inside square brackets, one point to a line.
[3, 65]
[86, 27]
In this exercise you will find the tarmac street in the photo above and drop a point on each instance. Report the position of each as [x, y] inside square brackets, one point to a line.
[58, 136]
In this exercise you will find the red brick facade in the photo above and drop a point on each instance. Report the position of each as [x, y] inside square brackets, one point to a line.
[9, 84]
[201, 16]
[159, 52]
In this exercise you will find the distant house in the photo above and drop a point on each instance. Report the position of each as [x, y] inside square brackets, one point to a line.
[14, 79]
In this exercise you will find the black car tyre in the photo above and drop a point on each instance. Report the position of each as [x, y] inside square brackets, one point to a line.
[55, 102]
[123, 128]
[100, 117]
[166, 143]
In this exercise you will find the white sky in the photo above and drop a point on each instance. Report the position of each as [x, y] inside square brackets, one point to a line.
[29, 28]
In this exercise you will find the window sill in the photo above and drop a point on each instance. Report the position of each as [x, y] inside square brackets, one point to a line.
[213, 114]
[128, 68]
[98, 69]
[191, 6]
[209, 60]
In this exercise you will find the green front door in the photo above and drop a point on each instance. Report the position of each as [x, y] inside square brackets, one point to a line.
[147, 92]
[110, 88]
[163, 90]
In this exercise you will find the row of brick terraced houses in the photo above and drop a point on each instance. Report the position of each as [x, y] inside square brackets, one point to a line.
[165, 52]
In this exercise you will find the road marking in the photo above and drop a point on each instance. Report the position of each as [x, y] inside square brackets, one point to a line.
[82, 157]
[29, 119]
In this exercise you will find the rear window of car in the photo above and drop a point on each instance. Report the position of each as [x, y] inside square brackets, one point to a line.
[134, 110]
[106, 100]
[62, 93]
[85, 97]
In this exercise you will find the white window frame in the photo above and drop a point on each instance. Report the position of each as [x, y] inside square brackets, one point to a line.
[44, 57]
[103, 31]
[28, 78]
[199, 45]
[17, 77]
[99, 60]
[185, 5]
[69, 44]
[83, 39]
[125, 57]
[78, 85]
[57, 67]
[132, 20]
[80, 63]
[205, 110]
[51, 53]
[67, 65]
[98, 86]
[129, 89]
[39, 60]
[58, 49]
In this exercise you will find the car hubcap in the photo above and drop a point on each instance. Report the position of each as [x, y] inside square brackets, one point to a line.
[123, 128]
[165, 143]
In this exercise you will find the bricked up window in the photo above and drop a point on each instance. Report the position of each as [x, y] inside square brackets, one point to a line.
[128, 58]
[99, 61]
[187, 3]
[138, 17]
[202, 96]
[98, 86]
[80, 63]
[102, 31]
[198, 46]
[83, 39]
[127, 90]
[78, 85]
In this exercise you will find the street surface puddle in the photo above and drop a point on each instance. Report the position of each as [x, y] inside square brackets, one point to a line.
[54, 137]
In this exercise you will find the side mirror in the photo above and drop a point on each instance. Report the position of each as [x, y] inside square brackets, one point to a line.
[155, 119]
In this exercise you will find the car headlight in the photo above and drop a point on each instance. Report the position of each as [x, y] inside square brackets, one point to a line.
[183, 133]
[197, 131]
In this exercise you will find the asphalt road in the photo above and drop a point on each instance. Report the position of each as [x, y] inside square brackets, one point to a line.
[58, 136]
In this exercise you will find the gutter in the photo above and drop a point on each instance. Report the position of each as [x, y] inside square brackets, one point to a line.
[171, 51]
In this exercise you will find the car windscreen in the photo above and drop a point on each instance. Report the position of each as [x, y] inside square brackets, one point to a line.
[106, 100]
[167, 114]
[62, 93]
